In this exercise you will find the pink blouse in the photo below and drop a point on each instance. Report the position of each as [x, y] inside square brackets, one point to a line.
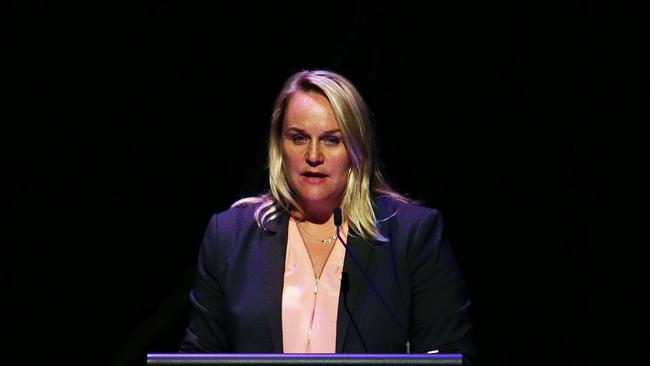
[310, 305]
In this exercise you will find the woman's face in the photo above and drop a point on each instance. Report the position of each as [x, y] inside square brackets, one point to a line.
[315, 159]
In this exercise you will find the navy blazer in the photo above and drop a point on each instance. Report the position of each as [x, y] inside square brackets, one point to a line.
[416, 291]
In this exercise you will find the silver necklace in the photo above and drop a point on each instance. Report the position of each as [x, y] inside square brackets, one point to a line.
[326, 241]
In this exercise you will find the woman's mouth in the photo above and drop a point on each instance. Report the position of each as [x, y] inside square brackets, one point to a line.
[313, 177]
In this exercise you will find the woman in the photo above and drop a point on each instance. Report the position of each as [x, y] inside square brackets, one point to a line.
[274, 276]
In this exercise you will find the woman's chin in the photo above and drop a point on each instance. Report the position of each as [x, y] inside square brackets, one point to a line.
[319, 199]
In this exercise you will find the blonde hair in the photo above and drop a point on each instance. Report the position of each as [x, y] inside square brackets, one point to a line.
[364, 180]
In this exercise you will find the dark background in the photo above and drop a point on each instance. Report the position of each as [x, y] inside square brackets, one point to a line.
[126, 125]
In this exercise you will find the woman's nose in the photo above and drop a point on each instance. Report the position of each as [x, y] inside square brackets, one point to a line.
[314, 156]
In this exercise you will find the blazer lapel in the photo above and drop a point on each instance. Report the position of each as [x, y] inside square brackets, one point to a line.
[274, 250]
[361, 251]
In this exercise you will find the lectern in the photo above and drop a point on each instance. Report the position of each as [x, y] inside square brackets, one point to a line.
[300, 359]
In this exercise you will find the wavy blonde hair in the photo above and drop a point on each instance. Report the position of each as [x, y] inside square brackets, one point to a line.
[364, 180]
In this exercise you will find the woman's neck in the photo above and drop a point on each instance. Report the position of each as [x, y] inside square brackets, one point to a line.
[318, 215]
[318, 212]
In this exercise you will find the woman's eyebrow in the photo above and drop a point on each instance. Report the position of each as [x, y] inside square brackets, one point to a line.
[300, 130]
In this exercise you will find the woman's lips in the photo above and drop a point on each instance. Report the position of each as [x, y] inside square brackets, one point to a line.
[313, 178]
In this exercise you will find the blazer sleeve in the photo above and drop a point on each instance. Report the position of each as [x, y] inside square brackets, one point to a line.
[206, 330]
[440, 304]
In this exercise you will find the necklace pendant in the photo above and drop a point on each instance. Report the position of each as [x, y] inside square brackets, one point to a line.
[324, 242]
[328, 240]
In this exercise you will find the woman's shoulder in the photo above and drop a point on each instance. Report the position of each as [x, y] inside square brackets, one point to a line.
[231, 221]
[401, 204]
[259, 211]
[239, 210]
[402, 209]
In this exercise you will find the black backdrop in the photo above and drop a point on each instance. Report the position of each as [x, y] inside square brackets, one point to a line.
[128, 124]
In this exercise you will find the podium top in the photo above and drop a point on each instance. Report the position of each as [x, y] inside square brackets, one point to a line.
[300, 359]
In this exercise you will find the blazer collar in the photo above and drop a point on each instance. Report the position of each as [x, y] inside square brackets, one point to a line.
[274, 249]
[361, 251]
[278, 223]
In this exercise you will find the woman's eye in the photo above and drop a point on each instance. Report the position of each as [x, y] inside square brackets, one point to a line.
[332, 141]
[299, 139]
